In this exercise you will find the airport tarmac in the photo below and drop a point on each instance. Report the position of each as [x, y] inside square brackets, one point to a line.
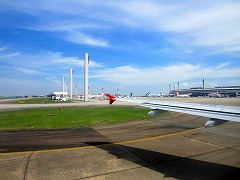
[173, 146]
[6, 106]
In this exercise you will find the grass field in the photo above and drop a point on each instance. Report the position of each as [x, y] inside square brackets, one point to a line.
[70, 117]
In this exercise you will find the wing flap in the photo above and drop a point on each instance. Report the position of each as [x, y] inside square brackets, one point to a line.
[216, 112]
[214, 122]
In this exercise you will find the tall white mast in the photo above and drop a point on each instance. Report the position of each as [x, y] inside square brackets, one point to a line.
[63, 84]
[71, 82]
[86, 62]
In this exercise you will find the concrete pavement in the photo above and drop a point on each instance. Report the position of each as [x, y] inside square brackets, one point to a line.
[147, 149]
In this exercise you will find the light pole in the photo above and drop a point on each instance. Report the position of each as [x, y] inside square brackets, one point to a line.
[71, 82]
[86, 62]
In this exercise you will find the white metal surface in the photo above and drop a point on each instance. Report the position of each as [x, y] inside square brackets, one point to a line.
[229, 113]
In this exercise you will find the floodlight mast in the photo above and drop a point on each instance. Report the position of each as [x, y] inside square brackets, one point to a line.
[63, 84]
[86, 62]
[71, 82]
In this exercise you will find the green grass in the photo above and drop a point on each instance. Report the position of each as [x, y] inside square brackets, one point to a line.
[38, 101]
[70, 117]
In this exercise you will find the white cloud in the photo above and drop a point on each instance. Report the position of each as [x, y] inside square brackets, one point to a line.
[207, 24]
[201, 24]
[9, 55]
[75, 61]
[74, 32]
[43, 59]
[27, 71]
[3, 48]
[184, 85]
[67, 26]
[81, 38]
[129, 75]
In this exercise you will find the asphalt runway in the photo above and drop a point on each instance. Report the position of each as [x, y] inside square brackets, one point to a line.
[174, 146]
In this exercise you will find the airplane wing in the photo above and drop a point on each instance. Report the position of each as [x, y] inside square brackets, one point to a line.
[218, 114]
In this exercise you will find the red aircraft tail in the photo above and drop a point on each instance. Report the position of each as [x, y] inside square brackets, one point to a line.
[111, 98]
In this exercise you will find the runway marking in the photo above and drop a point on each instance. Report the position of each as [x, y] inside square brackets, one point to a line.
[89, 147]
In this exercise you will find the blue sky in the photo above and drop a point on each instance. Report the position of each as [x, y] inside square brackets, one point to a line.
[135, 46]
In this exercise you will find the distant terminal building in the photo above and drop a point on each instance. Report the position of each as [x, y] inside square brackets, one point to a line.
[220, 91]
